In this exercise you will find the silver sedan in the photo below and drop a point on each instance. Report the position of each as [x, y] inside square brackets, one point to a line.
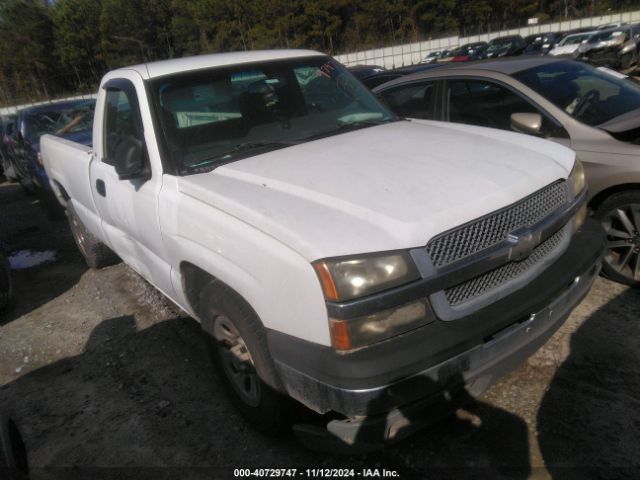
[594, 111]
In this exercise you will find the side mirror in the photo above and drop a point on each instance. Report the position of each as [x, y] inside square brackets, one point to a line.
[530, 123]
[129, 158]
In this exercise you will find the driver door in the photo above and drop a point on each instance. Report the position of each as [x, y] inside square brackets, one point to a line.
[128, 207]
[488, 104]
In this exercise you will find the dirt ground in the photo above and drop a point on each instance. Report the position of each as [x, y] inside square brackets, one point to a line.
[106, 379]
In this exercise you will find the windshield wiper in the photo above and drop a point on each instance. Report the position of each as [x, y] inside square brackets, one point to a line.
[224, 156]
[342, 126]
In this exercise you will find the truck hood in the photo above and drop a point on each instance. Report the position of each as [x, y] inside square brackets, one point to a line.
[386, 187]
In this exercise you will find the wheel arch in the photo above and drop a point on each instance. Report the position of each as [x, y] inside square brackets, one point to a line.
[195, 278]
[601, 196]
[60, 192]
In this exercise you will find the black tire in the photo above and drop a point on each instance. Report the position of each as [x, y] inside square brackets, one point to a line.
[96, 254]
[270, 411]
[6, 286]
[622, 258]
[13, 454]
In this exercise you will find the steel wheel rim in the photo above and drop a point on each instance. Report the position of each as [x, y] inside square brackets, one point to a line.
[236, 360]
[77, 234]
[622, 225]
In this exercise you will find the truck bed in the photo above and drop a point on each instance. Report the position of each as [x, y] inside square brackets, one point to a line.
[67, 165]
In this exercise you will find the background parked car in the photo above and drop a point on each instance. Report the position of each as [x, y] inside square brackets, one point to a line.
[568, 46]
[543, 43]
[447, 56]
[596, 112]
[388, 75]
[434, 56]
[607, 26]
[470, 51]
[7, 123]
[504, 47]
[364, 71]
[616, 47]
[69, 119]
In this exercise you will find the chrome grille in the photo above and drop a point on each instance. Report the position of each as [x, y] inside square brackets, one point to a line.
[493, 228]
[499, 276]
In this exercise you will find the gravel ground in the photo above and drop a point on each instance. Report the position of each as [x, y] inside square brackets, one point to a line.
[106, 379]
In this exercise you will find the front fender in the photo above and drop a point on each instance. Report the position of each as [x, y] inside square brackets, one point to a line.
[279, 284]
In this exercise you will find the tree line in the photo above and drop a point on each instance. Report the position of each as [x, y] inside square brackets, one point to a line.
[57, 47]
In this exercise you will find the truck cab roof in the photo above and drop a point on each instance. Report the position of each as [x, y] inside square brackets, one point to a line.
[198, 62]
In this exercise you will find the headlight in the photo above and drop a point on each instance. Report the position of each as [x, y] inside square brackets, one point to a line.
[577, 178]
[358, 332]
[578, 183]
[344, 279]
[580, 217]
[348, 278]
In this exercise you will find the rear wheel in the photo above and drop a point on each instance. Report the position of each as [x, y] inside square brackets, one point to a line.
[620, 218]
[238, 346]
[95, 253]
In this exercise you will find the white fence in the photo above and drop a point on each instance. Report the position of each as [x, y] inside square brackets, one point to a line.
[15, 108]
[412, 53]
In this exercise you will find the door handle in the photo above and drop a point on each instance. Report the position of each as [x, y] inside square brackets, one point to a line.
[100, 188]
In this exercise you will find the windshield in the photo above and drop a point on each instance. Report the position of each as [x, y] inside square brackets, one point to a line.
[220, 115]
[606, 36]
[62, 120]
[499, 44]
[573, 39]
[590, 95]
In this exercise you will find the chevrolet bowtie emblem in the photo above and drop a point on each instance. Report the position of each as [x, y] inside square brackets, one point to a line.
[524, 241]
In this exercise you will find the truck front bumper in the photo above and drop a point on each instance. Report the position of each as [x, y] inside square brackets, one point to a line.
[384, 385]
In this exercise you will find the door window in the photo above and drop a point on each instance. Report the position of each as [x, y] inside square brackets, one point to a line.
[121, 122]
[487, 104]
[413, 101]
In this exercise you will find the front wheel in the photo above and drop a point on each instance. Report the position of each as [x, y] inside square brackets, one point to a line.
[238, 346]
[620, 218]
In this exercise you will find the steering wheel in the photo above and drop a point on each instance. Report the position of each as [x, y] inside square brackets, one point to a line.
[586, 101]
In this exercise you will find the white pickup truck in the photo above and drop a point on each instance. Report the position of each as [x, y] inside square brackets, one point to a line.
[365, 265]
